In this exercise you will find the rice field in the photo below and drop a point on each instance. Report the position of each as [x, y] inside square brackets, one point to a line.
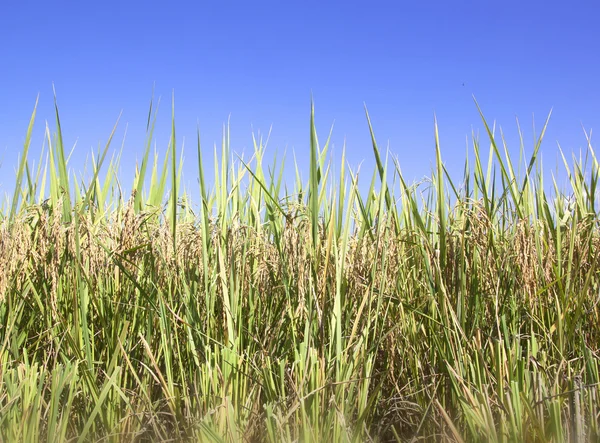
[453, 309]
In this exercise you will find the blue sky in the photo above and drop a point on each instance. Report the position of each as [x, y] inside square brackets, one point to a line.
[258, 63]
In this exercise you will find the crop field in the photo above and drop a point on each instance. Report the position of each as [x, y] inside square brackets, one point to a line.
[454, 309]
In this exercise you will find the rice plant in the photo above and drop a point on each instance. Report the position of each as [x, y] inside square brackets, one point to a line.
[443, 310]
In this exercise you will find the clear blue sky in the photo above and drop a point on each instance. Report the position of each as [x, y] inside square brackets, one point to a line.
[259, 62]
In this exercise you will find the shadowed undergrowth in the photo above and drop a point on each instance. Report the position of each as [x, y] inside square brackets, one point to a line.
[436, 310]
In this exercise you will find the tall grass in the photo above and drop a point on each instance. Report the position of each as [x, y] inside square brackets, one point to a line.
[439, 310]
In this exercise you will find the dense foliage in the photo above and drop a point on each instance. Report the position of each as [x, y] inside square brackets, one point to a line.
[438, 310]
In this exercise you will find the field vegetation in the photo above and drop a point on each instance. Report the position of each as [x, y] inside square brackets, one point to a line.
[453, 309]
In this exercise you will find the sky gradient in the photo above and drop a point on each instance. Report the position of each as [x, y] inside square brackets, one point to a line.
[259, 63]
